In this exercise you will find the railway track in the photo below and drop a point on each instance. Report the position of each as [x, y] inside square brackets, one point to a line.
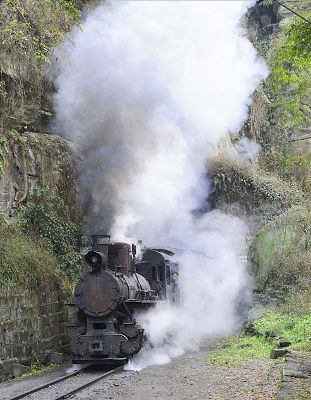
[70, 392]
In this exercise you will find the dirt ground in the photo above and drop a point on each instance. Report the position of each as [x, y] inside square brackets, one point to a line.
[191, 376]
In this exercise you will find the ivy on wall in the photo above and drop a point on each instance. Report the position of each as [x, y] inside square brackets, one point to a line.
[3, 151]
[290, 78]
[47, 217]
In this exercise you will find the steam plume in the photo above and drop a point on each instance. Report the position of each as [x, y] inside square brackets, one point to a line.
[149, 89]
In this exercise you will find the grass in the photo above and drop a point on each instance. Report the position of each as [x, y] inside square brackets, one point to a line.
[300, 395]
[25, 263]
[36, 368]
[295, 328]
[241, 347]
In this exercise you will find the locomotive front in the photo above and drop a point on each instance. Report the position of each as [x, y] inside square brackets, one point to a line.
[105, 330]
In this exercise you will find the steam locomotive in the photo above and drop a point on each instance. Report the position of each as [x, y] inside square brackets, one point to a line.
[118, 284]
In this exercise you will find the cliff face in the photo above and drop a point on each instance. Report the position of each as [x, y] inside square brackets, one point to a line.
[38, 251]
[33, 160]
[266, 25]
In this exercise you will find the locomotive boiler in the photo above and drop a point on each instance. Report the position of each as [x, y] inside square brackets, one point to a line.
[118, 285]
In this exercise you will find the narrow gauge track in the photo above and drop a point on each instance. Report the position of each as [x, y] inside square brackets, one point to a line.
[63, 378]
[81, 387]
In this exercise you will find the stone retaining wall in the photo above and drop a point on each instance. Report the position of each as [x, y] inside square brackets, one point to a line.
[31, 326]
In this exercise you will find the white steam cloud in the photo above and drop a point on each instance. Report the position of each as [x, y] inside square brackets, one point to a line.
[146, 90]
[247, 149]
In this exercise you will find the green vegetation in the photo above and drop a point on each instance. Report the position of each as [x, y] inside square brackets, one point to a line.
[290, 79]
[3, 151]
[301, 395]
[36, 368]
[251, 186]
[29, 31]
[42, 244]
[280, 252]
[291, 167]
[48, 217]
[295, 328]
[281, 108]
[45, 223]
[25, 262]
[239, 348]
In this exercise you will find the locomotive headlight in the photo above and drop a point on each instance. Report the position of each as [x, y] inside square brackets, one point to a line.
[94, 260]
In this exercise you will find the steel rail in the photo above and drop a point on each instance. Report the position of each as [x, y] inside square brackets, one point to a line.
[47, 384]
[85, 385]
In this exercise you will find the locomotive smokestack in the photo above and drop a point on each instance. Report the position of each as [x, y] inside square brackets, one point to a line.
[100, 243]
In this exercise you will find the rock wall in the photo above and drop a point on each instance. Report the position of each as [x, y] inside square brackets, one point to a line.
[35, 159]
[33, 322]
[278, 249]
[32, 325]
[264, 26]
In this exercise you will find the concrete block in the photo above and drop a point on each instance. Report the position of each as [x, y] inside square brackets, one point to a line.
[276, 353]
[284, 342]
[272, 334]
[12, 367]
[55, 358]
[19, 369]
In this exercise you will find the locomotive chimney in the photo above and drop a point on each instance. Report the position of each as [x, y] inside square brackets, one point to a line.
[100, 243]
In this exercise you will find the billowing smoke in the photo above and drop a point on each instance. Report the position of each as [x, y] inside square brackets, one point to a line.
[146, 89]
[247, 149]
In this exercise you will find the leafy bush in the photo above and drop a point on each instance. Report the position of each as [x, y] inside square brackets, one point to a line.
[3, 151]
[48, 217]
[290, 167]
[290, 79]
[280, 251]
[26, 262]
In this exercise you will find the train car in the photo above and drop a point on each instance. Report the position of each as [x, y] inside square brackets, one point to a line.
[117, 285]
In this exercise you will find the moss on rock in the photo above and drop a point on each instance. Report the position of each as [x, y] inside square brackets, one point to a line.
[274, 250]
[233, 181]
[26, 263]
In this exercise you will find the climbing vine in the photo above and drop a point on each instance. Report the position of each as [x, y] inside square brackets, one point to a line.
[290, 79]
[3, 152]
[48, 217]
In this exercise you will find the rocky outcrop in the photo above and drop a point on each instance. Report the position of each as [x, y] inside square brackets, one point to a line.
[35, 159]
[264, 26]
[274, 245]
[296, 380]
[245, 190]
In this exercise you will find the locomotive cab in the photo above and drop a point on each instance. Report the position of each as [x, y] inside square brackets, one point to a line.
[158, 266]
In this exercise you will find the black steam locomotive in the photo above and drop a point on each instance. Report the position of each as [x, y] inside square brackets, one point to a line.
[117, 285]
